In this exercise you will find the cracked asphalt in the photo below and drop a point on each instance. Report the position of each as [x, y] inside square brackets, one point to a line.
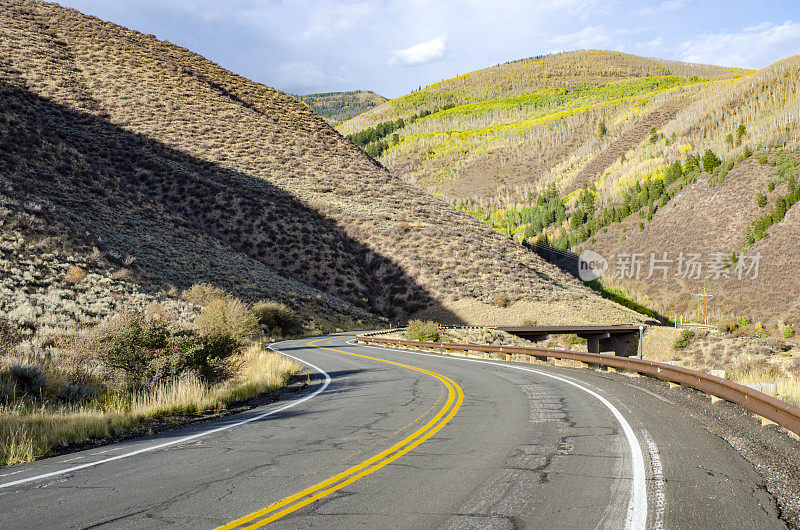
[524, 450]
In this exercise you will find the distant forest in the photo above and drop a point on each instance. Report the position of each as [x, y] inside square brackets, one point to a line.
[337, 107]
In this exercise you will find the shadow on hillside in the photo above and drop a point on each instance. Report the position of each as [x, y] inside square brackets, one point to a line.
[176, 220]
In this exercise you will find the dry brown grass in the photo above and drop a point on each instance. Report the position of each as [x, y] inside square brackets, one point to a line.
[75, 275]
[745, 359]
[28, 434]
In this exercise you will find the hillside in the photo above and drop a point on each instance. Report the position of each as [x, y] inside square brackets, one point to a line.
[522, 124]
[708, 218]
[155, 169]
[673, 161]
[719, 179]
[337, 107]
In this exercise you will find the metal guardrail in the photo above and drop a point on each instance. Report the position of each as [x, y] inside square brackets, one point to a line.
[768, 407]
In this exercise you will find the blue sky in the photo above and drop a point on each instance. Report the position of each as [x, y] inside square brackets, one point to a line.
[394, 46]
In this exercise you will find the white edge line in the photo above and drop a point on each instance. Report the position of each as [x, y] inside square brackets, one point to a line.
[636, 517]
[657, 471]
[185, 438]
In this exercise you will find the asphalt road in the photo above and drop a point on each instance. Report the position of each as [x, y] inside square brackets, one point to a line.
[420, 441]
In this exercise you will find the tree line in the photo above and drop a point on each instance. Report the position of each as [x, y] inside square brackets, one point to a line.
[373, 139]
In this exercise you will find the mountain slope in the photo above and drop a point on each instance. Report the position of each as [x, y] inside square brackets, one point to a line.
[705, 220]
[184, 172]
[337, 107]
[528, 122]
[637, 166]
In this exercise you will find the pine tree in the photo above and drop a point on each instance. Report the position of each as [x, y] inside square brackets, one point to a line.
[710, 161]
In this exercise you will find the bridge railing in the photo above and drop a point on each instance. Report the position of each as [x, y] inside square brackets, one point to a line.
[763, 405]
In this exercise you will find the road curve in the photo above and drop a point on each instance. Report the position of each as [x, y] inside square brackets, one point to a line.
[385, 437]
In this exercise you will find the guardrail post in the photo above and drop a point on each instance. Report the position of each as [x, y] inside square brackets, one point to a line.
[720, 374]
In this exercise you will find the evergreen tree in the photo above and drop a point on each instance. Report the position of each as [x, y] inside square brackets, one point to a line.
[740, 132]
[710, 161]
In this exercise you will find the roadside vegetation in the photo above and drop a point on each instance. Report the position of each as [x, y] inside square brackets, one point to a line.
[136, 367]
[740, 348]
[426, 331]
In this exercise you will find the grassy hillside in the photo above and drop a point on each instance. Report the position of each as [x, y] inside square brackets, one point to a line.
[337, 107]
[153, 169]
[716, 216]
[524, 123]
[690, 159]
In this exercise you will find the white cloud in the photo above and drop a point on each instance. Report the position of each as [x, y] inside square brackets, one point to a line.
[664, 7]
[301, 74]
[755, 46]
[422, 53]
[588, 37]
[331, 20]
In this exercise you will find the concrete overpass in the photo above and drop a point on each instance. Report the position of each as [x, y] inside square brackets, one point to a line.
[623, 340]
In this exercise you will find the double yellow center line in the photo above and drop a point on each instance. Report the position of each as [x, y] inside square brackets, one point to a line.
[284, 507]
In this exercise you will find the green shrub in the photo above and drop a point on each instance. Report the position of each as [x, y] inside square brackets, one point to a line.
[226, 317]
[787, 332]
[743, 322]
[125, 344]
[683, 341]
[740, 132]
[137, 350]
[274, 317]
[203, 293]
[427, 331]
[574, 339]
[223, 327]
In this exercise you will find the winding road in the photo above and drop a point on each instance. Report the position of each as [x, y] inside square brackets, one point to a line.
[404, 439]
